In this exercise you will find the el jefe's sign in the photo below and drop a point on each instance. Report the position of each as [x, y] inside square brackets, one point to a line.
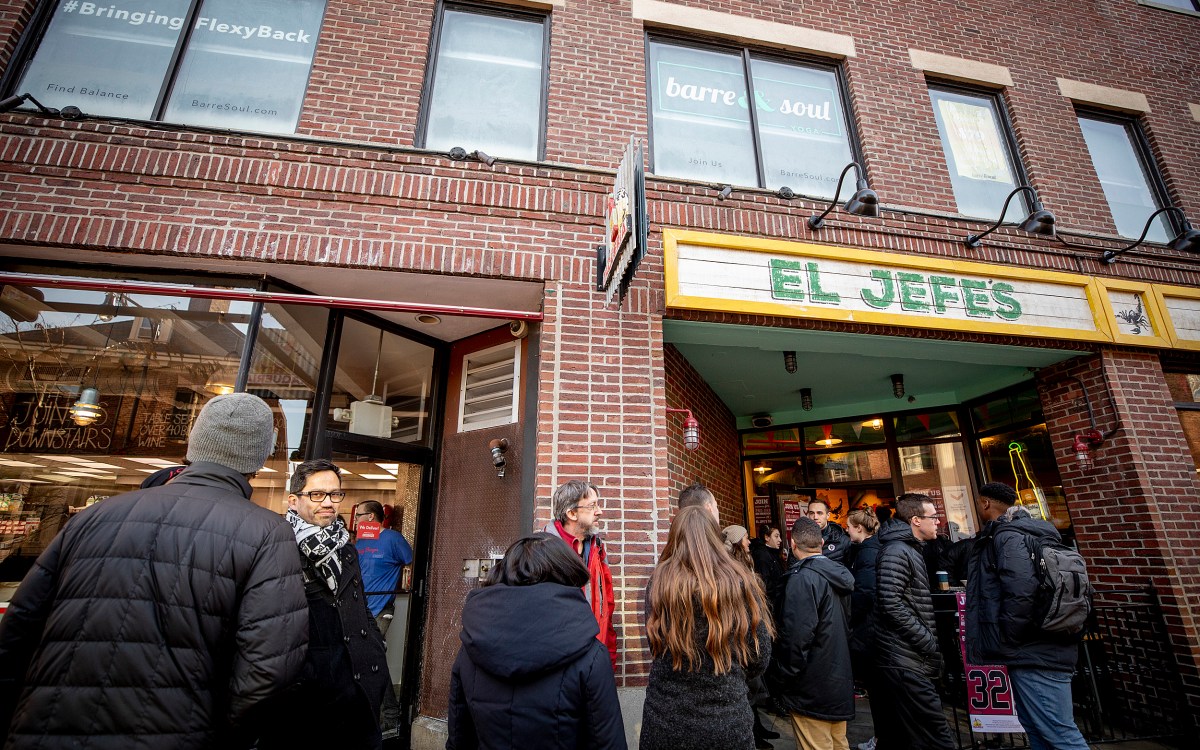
[772, 277]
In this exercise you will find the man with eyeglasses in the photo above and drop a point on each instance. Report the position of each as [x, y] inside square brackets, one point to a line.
[338, 700]
[905, 706]
[577, 510]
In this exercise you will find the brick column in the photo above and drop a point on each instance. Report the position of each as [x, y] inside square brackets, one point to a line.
[1135, 512]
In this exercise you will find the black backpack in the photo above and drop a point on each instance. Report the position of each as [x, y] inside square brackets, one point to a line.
[1063, 602]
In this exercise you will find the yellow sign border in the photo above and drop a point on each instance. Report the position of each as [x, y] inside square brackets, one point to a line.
[1156, 312]
[672, 238]
[1161, 292]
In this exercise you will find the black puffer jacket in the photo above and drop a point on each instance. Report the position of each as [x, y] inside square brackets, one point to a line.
[810, 669]
[1001, 589]
[161, 618]
[769, 566]
[345, 672]
[905, 631]
[531, 674]
[837, 543]
[862, 601]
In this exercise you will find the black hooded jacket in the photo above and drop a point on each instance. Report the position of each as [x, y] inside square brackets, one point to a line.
[769, 566]
[810, 664]
[1001, 592]
[862, 601]
[905, 630]
[531, 673]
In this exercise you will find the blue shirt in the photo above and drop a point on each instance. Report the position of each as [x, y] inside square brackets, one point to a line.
[381, 561]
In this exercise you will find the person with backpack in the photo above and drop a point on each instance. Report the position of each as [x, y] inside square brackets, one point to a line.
[1026, 605]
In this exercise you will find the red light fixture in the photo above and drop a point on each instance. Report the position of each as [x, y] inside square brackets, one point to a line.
[1086, 442]
[691, 429]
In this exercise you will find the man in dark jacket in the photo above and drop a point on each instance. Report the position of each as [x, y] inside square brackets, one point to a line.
[346, 672]
[162, 617]
[906, 708]
[1001, 627]
[810, 669]
[835, 540]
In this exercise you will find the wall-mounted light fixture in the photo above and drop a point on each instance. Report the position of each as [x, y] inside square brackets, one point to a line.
[67, 113]
[1090, 439]
[789, 362]
[898, 385]
[1186, 241]
[724, 192]
[458, 153]
[498, 448]
[864, 202]
[806, 399]
[1039, 221]
[786, 193]
[691, 428]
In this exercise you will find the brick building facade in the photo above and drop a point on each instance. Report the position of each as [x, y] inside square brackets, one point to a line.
[351, 194]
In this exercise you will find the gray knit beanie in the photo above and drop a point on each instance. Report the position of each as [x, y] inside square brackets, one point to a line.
[237, 431]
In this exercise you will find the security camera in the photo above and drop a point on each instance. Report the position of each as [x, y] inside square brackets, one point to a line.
[498, 448]
[762, 420]
[519, 329]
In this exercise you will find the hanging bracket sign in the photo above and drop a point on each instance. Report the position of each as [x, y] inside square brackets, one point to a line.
[625, 226]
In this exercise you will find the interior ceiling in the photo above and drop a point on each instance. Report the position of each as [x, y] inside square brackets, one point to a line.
[849, 374]
[376, 284]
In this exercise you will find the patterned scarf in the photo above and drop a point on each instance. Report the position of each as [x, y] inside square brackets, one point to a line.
[319, 546]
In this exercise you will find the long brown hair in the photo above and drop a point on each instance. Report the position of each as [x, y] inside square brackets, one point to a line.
[696, 571]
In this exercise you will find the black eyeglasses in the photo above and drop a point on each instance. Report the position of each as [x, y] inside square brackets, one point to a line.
[364, 513]
[320, 496]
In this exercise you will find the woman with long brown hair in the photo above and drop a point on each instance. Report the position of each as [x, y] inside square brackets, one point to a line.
[709, 629]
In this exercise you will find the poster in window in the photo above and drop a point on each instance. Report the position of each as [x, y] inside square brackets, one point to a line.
[971, 133]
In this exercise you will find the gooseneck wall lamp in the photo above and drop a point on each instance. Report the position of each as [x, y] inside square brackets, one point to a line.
[67, 113]
[1039, 221]
[1188, 240]
[864, 202]
[691, 428]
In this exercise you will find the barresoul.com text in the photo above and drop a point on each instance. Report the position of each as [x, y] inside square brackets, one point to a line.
[230, 107]
[212, 25]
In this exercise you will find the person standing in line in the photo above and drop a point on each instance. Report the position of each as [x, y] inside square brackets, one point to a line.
[346, 671]
[382, 560]
[163, 617]
[767, 560]
[835, 542]
[737, 541]
[1002, 627]
[861, 525]
[523, 681]
[696, 696]
[577, 512]
[698, 495]
[905, 705]
[810, 669]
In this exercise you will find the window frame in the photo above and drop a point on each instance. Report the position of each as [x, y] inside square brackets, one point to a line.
[1015, 161]
[39, 23]
[1193, 11]
[421, 133]
[1142, 152]
[747, 53]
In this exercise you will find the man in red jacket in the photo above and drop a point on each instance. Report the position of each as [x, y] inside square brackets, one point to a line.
[576, 507]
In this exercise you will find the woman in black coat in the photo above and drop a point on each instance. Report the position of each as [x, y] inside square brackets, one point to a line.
[531, 672]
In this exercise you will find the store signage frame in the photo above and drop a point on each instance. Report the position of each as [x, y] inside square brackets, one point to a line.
[626, 225]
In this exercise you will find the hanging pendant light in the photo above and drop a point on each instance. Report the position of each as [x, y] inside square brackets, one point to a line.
[87, 409]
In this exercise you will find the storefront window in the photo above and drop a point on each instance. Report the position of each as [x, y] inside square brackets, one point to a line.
[1010, 407]
[771, 441]
[940, 471]
[487, 88]
[1185, 390]
[1124, 170]
[854, 466]
[927, 426]
[844, 435]
[245, 65]
[1023, 458]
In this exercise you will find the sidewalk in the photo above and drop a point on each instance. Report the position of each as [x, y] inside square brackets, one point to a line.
[860, 729]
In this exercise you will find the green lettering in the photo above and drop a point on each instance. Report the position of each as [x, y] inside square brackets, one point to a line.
[912, 292]
[885, 300]
[815, 293]
[1010, 308]
[785, 280]
[944, 290]
[973, 300]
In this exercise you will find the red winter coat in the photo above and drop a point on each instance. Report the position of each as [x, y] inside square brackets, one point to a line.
[599, 591]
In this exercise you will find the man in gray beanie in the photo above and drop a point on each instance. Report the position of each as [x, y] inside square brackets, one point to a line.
[164, 617]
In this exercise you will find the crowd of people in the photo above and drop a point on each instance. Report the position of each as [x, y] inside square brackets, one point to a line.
[181, 615]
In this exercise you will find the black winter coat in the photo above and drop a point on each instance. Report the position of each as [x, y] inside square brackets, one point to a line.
[1000, 600]
[836, 543]
[161, 618]
[862, 601]
[531, 673]
[769, 566]
[345, 672]
[905, 630]
[810, 669]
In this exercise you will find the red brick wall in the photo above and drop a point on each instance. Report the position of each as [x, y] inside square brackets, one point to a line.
[1134, 513]
[716, 463]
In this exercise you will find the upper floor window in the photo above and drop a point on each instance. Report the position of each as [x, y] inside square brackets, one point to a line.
[486, 88]
[1192, 5]
[979, 152]
[1126, 171]
[796, 135]
[237, 64]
